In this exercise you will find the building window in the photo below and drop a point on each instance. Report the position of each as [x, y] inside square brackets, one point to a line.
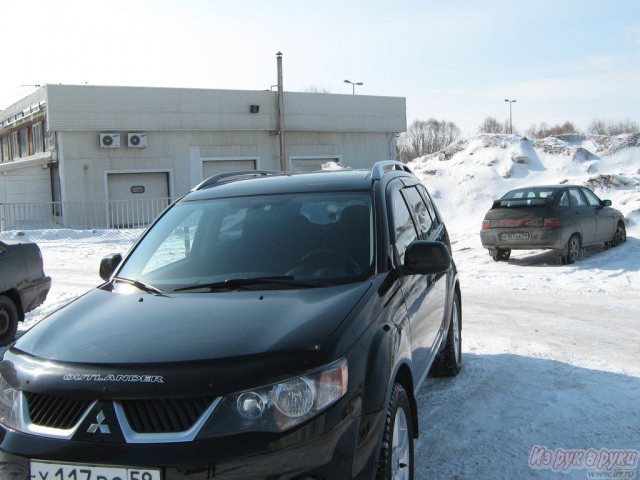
[4, 148]
[24, 142]
[38, 137]
[15, 145]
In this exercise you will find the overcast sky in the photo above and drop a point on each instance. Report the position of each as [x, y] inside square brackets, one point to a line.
[453, 60]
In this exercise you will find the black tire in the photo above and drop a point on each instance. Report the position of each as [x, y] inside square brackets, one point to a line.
[8, 320]
[619, 236]
[449, 361]
[396, 451]
[500, 254]
[572, 250]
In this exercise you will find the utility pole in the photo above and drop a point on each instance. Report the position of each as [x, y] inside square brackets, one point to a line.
[283, 162]
[510, 116]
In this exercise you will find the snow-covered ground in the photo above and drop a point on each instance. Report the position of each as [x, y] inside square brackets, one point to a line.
[552, 352]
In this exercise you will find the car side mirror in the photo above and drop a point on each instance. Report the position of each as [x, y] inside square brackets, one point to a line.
[606, 203]
[423, 257]
[108, 265]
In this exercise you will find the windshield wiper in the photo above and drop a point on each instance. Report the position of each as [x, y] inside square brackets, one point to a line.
[140, 285]
[236, 283]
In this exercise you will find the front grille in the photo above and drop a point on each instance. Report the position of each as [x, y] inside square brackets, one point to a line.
[54, 411]
[164, 415]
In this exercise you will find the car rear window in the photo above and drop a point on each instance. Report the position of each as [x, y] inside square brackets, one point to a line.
[525, 197]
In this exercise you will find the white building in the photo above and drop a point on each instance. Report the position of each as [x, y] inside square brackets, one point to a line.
[111, 156]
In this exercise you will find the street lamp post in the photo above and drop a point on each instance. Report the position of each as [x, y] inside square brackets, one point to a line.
[353, 85]
[510, 116]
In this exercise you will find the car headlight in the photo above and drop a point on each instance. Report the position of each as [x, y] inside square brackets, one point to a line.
[278, 407]
[10, 406]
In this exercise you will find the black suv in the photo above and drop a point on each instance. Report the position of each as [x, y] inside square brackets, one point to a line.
[267, 325]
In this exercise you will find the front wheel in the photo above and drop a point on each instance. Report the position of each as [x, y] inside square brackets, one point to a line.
[619, 236]
[396, 452]
[8, 320]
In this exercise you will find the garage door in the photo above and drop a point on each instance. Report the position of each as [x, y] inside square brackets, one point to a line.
[214, 167]
[136, 199]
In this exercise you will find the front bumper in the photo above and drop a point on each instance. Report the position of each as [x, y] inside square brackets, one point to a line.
[302, 453]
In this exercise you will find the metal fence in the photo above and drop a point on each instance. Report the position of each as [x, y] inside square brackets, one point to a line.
[120, 214]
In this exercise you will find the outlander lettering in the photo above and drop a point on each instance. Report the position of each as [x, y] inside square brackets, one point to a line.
[83, 377]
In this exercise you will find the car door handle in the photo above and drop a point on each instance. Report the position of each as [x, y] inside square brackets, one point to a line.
[388, 326]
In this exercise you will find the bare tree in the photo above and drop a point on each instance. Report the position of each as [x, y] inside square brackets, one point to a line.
[600, 127]
[491, 125]
[315, 89]
[425, 137]
[543, 130]
[597, 127]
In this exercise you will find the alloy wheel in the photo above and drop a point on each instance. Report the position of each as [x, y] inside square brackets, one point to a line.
[574, 249]
[456, 333]
[400, 448]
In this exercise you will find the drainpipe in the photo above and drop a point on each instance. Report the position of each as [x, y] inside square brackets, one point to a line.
[283, 163]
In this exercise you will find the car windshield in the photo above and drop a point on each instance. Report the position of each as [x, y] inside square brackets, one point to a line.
[323, 238]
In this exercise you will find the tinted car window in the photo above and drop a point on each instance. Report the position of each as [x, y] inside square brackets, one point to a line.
[403, 226]
[577, 200]
[564, 200]
[529, 193]
[430, 207]
[419, 210]
[591, 198]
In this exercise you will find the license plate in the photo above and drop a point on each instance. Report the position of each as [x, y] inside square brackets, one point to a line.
[515, 236]
[62, 471]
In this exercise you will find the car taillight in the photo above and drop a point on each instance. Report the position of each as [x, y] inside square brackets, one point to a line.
[551, 222]
[486, 224]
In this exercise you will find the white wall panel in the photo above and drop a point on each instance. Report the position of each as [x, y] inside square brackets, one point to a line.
[89, 107]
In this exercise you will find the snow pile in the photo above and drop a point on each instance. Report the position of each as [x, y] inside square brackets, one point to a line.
[466, 177]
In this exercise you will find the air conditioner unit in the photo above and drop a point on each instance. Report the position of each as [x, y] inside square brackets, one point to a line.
[109, 140]
[137, 140]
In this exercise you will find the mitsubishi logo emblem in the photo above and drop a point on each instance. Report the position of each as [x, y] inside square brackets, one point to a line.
[94, 427]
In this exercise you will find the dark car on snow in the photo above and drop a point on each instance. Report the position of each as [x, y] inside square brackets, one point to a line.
[267, 325]
[23, 284]
[565, 218]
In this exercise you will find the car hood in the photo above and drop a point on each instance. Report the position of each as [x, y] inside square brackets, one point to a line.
[103, 327]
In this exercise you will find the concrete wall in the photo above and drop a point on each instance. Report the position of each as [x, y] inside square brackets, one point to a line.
[88, 107]
[84, 165]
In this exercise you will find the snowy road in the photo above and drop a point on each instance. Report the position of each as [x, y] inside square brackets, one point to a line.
[552, 358]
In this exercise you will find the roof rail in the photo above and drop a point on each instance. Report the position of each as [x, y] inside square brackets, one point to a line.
[233, 176]
[379, 168]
